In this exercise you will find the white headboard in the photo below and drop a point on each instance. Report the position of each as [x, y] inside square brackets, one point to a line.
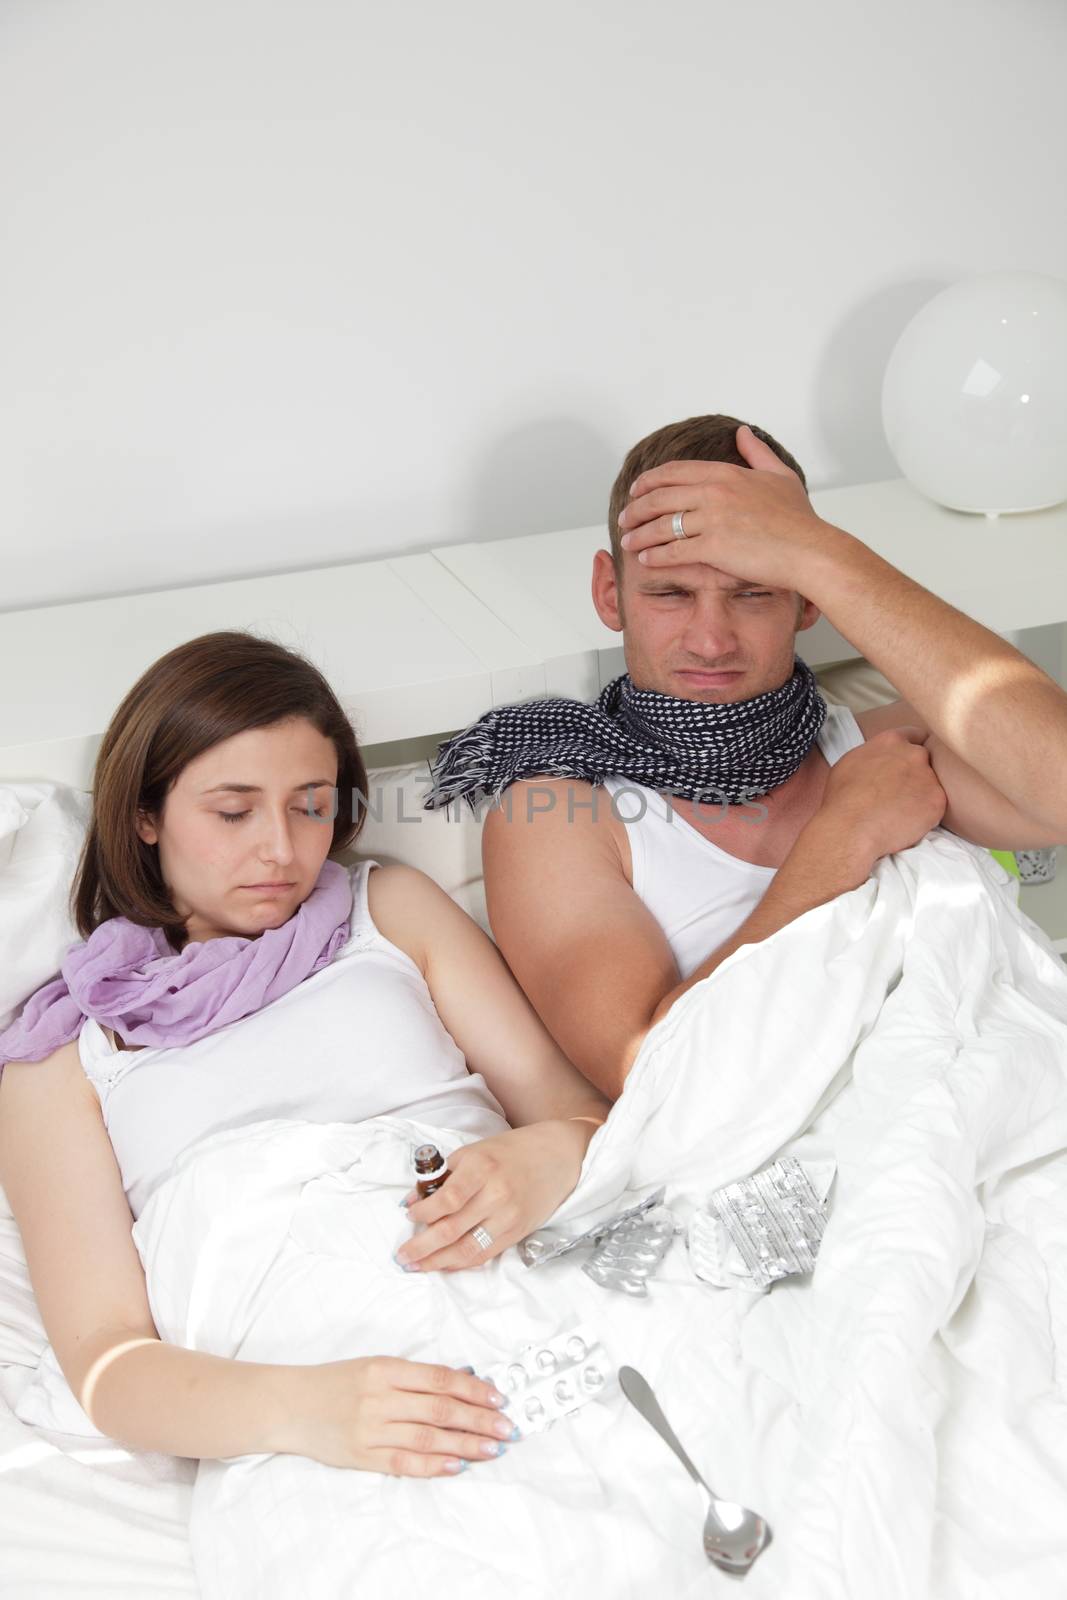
[415, 648]
[419, 646]
[408, 651]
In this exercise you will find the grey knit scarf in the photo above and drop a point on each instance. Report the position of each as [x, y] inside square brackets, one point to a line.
[734, 751]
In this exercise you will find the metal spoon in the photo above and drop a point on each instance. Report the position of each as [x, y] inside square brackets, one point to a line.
[733, 1535]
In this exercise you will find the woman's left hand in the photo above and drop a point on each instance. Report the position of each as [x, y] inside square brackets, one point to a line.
[507, 1184]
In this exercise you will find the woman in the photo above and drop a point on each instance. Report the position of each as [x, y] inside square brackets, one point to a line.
[227, 778]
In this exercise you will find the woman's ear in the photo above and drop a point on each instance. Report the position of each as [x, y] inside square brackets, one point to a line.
[146, 830]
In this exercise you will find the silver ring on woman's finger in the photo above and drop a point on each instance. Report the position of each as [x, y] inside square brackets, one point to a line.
[482, 1237]
[677, 526]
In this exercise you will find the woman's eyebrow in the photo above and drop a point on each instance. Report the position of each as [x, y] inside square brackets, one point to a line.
[253, 788]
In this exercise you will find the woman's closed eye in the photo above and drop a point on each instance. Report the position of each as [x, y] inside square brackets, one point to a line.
[235, 816]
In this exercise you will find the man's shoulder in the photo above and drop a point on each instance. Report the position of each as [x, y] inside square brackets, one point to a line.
[547, 799]
[565, 817]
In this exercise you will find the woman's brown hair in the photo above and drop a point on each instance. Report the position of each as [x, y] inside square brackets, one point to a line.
[198, 694]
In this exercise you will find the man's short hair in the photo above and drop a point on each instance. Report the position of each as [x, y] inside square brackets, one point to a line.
[696, 439]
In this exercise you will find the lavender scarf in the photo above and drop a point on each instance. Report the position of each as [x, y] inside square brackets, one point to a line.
[128, 978]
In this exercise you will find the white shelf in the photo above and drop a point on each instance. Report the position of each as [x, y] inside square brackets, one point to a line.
[540, 584]
[1006, 572]
[408, 649]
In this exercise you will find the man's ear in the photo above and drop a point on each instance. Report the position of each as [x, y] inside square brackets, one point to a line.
[808, 614]
[606, 591]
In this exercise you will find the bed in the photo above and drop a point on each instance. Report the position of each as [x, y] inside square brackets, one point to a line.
[83, 1516]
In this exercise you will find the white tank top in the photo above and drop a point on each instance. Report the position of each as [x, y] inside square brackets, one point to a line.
[359, 1038]
[699, 893]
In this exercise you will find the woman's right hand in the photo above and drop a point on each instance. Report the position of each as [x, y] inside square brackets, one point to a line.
[385, 1414]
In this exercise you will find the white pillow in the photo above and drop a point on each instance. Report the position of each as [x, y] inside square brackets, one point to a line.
[856, 684]
[445, 844]
[42, 826]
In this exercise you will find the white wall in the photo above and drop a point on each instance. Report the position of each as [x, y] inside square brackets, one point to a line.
[291, 282]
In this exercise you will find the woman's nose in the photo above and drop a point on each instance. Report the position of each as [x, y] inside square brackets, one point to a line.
[277, 842]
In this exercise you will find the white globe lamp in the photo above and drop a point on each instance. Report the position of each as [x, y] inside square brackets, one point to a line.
[974, 399]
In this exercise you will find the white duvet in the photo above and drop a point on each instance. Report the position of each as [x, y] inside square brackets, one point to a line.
[899, 1418]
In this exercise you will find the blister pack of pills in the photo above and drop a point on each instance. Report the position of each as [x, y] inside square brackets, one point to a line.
[753, 1232]
[548, 1243]
[633, 1251]
[549, 1380]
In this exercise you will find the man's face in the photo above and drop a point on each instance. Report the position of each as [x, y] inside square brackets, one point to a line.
[693, 632]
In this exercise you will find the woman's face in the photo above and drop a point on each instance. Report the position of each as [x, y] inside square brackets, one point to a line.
[237, 818]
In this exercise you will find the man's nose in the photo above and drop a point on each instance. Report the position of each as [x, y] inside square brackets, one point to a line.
[711, 633]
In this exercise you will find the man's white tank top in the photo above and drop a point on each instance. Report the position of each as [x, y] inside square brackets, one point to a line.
[359, 1038]
[697, 892]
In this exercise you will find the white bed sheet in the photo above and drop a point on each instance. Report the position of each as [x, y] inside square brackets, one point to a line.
[85, 1517]
[899, 1417]
[79, 1516]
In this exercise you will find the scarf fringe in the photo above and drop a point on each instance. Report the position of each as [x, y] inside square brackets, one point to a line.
[462, 767]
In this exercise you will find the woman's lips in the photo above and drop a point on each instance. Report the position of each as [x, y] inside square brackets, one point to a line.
[266, 888]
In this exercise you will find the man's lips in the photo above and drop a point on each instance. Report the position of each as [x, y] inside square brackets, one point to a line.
[702, 676]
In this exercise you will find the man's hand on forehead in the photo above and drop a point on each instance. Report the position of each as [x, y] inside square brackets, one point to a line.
[726, 580]
[753, 522]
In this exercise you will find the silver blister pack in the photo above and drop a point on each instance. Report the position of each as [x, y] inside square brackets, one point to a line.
[753, 1232]
[548, 1243]
[549, 1380]
[632, 1252]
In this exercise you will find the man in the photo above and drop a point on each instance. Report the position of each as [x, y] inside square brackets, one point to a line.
[717, 560]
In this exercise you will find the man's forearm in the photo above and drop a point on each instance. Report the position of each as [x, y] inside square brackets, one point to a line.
[149, 1395]
[819, 867]
[992, 707]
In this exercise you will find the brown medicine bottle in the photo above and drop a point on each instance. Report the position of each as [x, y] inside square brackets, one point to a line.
[430, 1170]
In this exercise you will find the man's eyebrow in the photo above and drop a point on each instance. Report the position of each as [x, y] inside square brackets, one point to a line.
[252, 788]
[650, 586]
